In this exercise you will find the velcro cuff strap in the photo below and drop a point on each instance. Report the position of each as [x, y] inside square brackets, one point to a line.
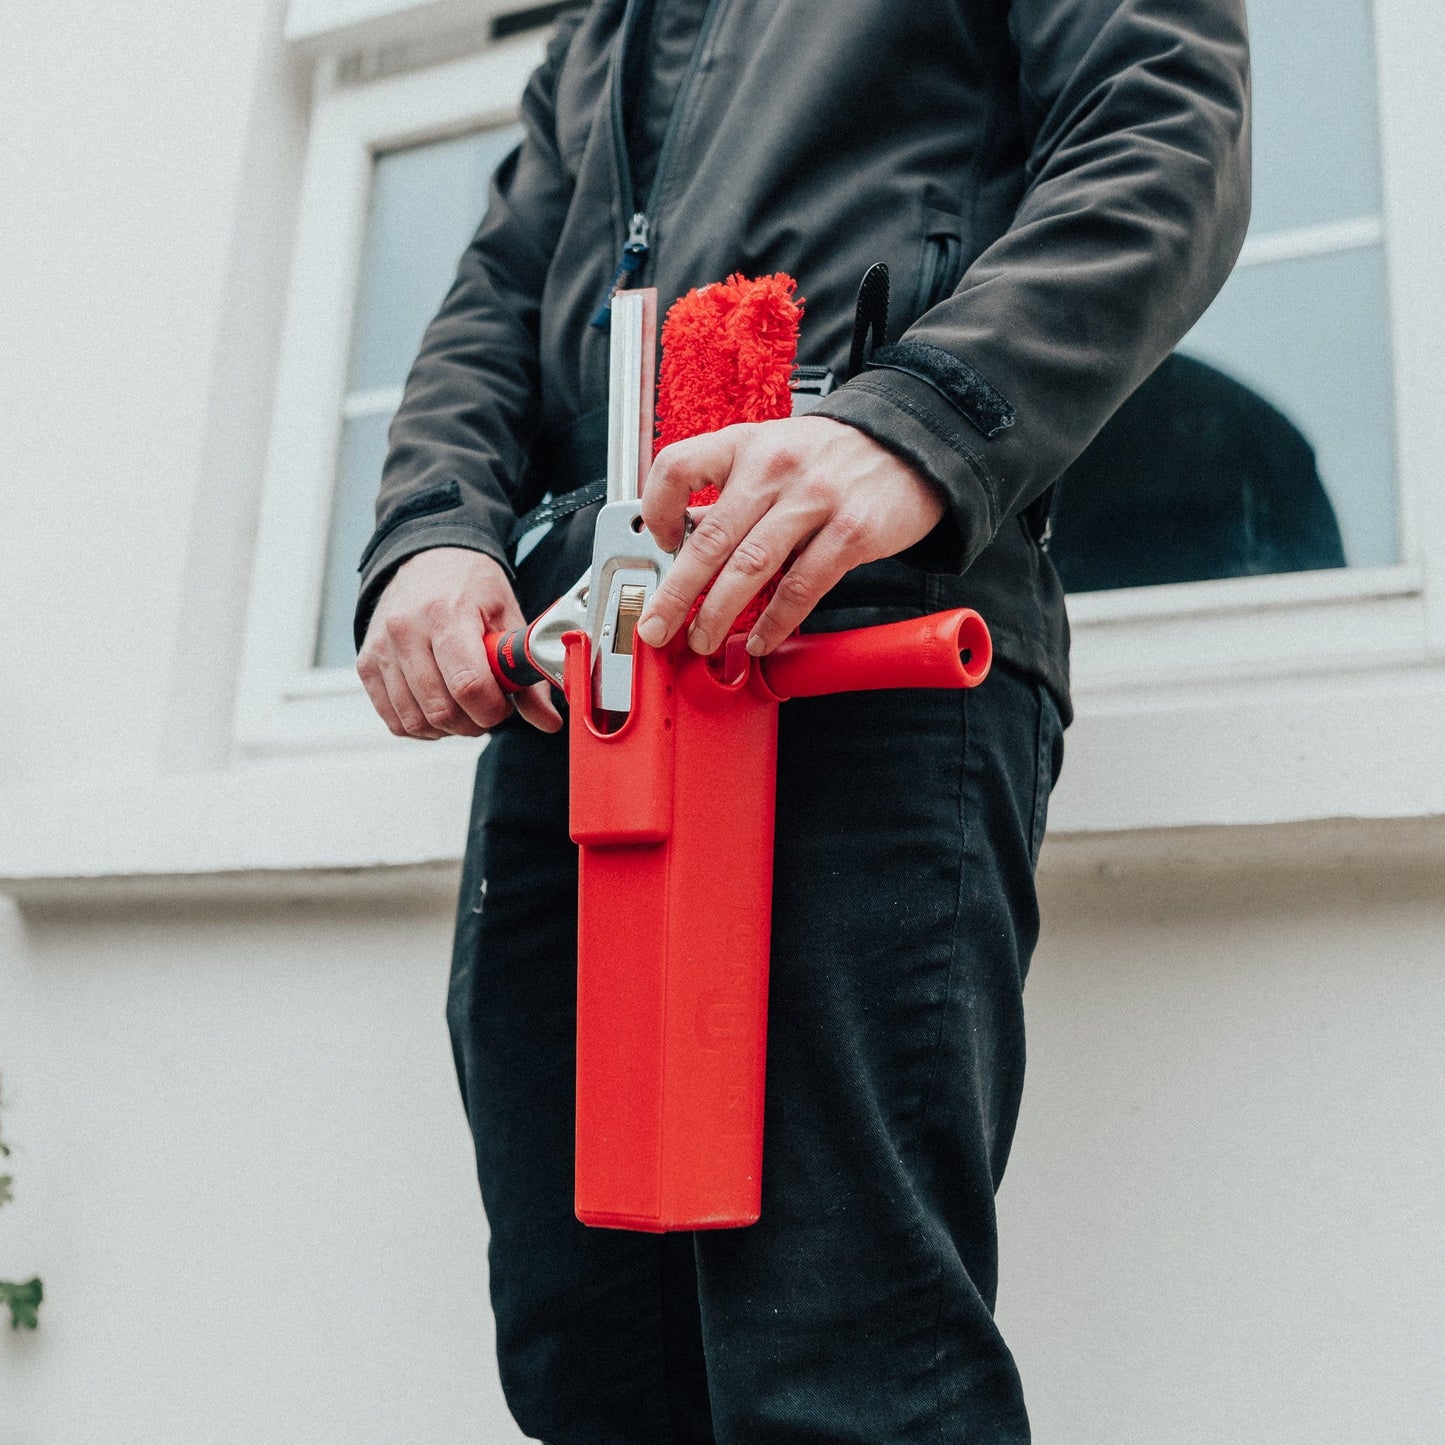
[964, 387]
[444, 497]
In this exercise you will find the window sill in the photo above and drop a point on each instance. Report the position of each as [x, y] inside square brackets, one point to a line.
[1244, 765]
[1159, 640]
[1282, 592]
[399, 812]
[392, 830]
[348, 25]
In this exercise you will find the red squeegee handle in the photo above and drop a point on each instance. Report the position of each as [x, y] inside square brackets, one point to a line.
[507, 654]
[944, 649]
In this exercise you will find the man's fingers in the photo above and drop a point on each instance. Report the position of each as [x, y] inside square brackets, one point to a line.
[535, 705]
[711, 542]
[754, 561]
[461, 658]
[403, 704]
[412, 650]
[679, 471]
[372, 681]
[716, 534]
[817, 568]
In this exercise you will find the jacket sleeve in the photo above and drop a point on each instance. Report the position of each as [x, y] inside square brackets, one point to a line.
[459, 439]
[1136, 205]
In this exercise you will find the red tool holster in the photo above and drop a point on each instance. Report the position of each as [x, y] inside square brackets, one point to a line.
[672, 970]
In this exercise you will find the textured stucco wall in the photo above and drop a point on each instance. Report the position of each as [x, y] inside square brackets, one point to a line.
[1225, 1216]
[243, 1172]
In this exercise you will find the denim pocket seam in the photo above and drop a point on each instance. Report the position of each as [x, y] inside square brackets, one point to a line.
[1043, 777]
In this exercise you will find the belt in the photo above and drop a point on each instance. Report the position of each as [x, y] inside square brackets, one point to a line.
[569, 467]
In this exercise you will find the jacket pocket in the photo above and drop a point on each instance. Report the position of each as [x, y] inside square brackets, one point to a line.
[940, 266]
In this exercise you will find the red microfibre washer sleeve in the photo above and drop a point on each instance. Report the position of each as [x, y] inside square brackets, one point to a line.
[728, 352]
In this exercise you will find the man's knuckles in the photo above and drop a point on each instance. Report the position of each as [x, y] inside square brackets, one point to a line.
[480, 698]
[438, 614]
[471, 687]
[400, 627]
[796, 590]
[671, 601]
[753, 560]
[852, 531]
[710, 542]
[413, 720]
[440, 711]
[782, 463]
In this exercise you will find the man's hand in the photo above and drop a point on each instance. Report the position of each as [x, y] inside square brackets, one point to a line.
[806, 483]
[423, 662]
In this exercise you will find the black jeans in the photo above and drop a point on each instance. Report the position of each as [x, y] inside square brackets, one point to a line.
[860, 1307]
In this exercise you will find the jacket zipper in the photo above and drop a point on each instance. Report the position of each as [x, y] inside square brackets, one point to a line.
[637, 247]
[634, 253]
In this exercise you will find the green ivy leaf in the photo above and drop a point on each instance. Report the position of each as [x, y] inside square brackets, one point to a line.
[23, 1301]
[7, 1192]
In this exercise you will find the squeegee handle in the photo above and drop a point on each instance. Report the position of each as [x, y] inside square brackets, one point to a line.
[507, 654]
[944, 649]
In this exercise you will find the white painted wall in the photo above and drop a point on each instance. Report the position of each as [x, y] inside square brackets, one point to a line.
[129, 128]
[243, 1172]
[1224, 1220]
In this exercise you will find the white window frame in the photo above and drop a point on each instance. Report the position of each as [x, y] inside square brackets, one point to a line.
[1248, 700]
[286, 703]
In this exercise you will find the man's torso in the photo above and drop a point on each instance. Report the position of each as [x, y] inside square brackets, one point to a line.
[809, 137]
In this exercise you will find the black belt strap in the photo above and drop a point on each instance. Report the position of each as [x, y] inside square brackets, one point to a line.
[545, 513]
[570, 463]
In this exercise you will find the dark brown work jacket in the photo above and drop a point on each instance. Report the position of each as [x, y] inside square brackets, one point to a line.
[1059, 188]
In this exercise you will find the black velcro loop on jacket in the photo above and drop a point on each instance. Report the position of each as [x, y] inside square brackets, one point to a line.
[953, 379]
[444, 497]
[870, 317]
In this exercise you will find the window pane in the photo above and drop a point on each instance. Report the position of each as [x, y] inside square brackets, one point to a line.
[426, 202]
[1310, 337]
[1264, 446]
[359, 459]
[1316, 151]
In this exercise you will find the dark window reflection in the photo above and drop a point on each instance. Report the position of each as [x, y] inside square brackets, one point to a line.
[1196, 477]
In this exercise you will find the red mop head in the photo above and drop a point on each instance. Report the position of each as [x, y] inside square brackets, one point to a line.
[728, 352]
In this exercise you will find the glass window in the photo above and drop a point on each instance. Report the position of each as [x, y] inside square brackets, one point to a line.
[425, 203]
[1266, 444]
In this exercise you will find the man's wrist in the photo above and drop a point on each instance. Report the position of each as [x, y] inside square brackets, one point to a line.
[406, 542]
[902, 414]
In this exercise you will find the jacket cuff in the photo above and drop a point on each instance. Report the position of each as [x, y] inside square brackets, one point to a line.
[405, 540]
[914, 421]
